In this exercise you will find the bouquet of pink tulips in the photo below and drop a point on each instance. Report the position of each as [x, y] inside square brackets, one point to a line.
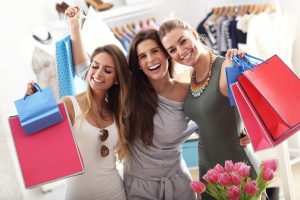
[233, 182]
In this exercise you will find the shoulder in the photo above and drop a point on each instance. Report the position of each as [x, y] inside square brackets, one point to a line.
[70, 108]
[180, 90]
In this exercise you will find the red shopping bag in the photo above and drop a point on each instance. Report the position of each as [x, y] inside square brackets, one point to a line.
[274, 92]
[49, 155]
[257, 132]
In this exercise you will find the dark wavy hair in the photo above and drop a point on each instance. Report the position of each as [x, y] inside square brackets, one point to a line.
[143, 98]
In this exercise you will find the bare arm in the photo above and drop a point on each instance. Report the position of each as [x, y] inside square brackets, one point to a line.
[80, 56]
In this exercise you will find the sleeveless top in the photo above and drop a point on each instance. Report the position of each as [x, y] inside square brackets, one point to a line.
[220, 126]
[101, 179]
[159, 171]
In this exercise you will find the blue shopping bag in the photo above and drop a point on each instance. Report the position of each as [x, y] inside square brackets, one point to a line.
[65, 67]
[38, 111]
[233, 72]
[68, 83]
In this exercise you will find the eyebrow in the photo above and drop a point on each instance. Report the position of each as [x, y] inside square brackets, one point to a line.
[177, 41]
[157, 47]
[104, 65]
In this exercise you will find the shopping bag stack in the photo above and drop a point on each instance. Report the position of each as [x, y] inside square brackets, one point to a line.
[43, 139]
[268, 99]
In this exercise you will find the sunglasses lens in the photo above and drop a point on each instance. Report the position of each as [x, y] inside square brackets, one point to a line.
[104, 151]
[103, 135]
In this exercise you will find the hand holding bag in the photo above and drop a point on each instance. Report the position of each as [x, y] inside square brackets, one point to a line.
[38, 111]
[233, 72]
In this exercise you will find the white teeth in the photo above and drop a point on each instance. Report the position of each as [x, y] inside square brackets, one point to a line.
[98, 81]
[186, 56]
[154, 67]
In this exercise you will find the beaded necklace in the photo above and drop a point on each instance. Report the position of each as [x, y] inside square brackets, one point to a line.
[197, 88]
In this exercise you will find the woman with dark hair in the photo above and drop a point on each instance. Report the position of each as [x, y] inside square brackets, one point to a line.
[156, 124]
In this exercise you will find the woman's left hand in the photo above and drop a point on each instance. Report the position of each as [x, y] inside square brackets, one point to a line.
[244, 139]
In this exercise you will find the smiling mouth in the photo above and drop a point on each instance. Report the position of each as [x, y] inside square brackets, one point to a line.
[97, 80]
[154, 67]
[186, 56]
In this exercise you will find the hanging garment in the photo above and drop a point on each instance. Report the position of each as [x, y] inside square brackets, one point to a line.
[270, 34]
[43, 65]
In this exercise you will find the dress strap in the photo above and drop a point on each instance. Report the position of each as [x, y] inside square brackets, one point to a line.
[77, 110]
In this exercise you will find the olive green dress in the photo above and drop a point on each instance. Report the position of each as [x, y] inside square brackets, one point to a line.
[219, 125]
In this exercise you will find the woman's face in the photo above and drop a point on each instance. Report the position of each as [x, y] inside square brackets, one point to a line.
[152, 59]
[182, 45]
[102, 73]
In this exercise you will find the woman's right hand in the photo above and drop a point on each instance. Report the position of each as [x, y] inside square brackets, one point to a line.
[30, 88]
[73, 14]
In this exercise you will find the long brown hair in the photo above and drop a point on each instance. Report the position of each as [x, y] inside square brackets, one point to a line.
[116, 96]
[143, 102]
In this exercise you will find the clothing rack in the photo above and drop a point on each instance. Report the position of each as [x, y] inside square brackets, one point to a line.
[125, 32]
[251, 6]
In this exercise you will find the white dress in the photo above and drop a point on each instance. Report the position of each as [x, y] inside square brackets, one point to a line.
[101, 179]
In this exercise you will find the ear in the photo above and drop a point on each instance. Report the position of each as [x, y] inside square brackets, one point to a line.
[195, 34]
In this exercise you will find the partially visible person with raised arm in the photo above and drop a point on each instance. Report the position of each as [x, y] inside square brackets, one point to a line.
[97, 121]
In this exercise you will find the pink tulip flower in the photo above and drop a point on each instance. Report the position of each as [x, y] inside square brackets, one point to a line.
[269, 164]
[242, 169]
[235, 178]
[219, 168]
[251, 188]
[268, 174]
[211, 176]
[233, 192]
[224, 179]
[198, 187]
[229, 166]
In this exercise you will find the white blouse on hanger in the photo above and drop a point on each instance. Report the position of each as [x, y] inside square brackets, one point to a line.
[270, 34]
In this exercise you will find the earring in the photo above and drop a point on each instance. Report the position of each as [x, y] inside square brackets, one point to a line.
[116, 83]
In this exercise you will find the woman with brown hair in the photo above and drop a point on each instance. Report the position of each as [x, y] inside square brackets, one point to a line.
[97, 120]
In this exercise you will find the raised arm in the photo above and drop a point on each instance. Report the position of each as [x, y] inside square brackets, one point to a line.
[80, 56]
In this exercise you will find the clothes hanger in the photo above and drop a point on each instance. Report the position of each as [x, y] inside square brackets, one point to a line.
[42, 35]
[243, 10]
[116, 33]
[120, 32]
[125, 30]
[131, 27]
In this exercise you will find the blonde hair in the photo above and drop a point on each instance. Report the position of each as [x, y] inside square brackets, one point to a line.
[116, 97]
[172, 23]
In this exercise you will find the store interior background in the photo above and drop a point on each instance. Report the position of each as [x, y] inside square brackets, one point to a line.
[18, 20]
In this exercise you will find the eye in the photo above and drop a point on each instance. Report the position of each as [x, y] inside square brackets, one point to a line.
[142, 57]
[108, 70]
[155, 50]
[94, 66]
[183, 41]
[172, 51]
